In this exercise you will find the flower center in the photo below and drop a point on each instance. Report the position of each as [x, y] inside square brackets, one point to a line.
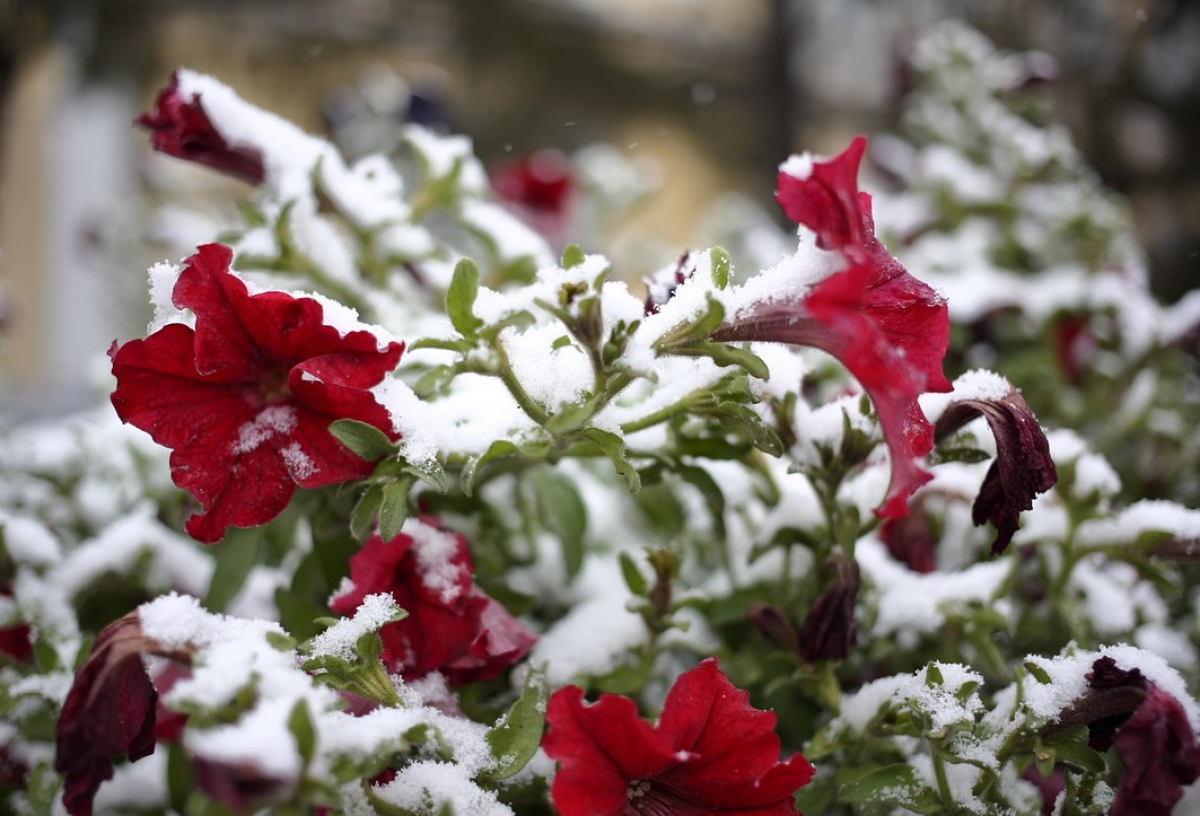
[644, 798]
[274, 387]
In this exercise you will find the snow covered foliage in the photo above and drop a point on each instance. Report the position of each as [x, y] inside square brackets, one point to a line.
[398, 510]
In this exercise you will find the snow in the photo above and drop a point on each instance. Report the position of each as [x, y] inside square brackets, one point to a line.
[162, 278]
[977, 385]
[424, 786]
[341, 639]
[271, 422]
[434, 550]
[911, 603]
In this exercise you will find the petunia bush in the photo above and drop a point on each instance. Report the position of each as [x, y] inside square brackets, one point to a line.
[403, 504]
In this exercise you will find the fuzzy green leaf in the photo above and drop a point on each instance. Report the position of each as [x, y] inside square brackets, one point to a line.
[460, 298]
[613, 447]
[515, 738]
[365, 441]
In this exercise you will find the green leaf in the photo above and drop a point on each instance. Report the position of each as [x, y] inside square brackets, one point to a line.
[726, 355]
[1080, 757]
[720, 266]
[515, 738]
[1039, 674]
[362, 517]
[760, 434]
[563, 512]
[365, 441]
[896, 785]
[703, 481]
[572, 256]
[460, 298]
[535, 448]
[393, 509]
[42, 787]
[301, 725]
[250, 214]
[632, 575]
[236, 555]
[613, 447]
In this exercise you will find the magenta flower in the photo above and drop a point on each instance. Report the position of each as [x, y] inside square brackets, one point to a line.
[710, 752]
[452, 625]
[181, 128]
[245, 399]
[887, 328]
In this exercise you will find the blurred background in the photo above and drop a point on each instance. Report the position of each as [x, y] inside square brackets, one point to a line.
[713, 94]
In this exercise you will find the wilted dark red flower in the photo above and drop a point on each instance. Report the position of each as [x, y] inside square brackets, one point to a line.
[1074, 346]
[828, 632]
[1150, 731]
[452, 625]
[887, 328]
[1022, 468]
[538, 188]
[710, 752]
[180, 127]
[1158, 749]
[109, 711]
[245, 399]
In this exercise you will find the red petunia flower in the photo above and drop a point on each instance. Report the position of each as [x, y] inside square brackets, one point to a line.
[181, 128]
[452, 625]
[887, 328]
[245, 399]
[710, 752]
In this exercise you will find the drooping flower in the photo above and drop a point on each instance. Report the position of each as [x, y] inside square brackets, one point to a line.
[1022, 468]
[453, 626]
[1150, 731]
[181, 128]
[887, 328]
[109, 711]
[710, 752]
[246, 398]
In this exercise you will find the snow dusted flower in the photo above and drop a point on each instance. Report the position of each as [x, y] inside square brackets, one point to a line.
[453, 626]
[1153, 738]
[246, 398]
[887, 328]
[710, 752]
[1022, 468]
[109, 711]
[181, 128]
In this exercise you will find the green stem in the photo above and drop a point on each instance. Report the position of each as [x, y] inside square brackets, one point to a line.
[943, 784]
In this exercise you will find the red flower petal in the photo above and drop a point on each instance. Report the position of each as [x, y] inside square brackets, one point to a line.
[502, 641]
[601, 748]
[1159, 751]
[827, 201]
[734, 744]
[180, 127]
